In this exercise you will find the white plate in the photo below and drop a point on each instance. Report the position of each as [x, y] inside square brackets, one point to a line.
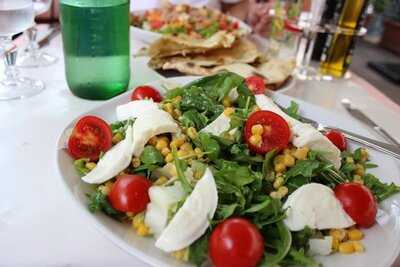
[149, 37]
[382, 241]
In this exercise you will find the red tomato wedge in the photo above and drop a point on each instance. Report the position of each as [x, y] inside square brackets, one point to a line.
[256, 84]
[276, 132]
[130, 193]
[90, 136]
[156, 24]
[358, 201]
[236, 242]
[338, 139]
[146, 92]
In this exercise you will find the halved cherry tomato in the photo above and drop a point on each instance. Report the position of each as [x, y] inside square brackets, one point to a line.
[276, 133]
[90, 136]
[156, 24]
[146, 92]
[236, 242]
[256, 84]
[235, 25]
[338, 139]
[130, 193]
[358, 201]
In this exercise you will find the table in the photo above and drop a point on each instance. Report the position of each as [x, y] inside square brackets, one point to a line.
[39, 224]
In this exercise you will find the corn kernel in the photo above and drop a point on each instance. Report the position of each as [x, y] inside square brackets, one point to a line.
[181, 255]
[229, 111]
[283, 191]
[257, 129]
[165, 151]
[358, 247]
[358, 179]
[255, 140]
[280, 167]
[161, 143]
[359, 170]
[288, 160]
[278, 182]
[176, 100]
[335, 244]
[226, 102]
[256, 108]
[118, 137]
[90, 165]
[364, 155]
[182, 153]
[346, 248]
[138, 220]
[349, 160]
[198, 152]
[135, 162]
[301, 153]
[186, 147]
[355, 234]
[177, 142]
[278, 159]
[169, 157]
[275, 194]
[168, 107]
[106, 188]
[143, 230]
[287, 151]
[177, 113]
[192, 132]
[339, 234]
[153, 141]
[161, 180]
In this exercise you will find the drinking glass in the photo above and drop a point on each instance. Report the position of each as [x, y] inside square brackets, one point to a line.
[15, 16]
[33, 57]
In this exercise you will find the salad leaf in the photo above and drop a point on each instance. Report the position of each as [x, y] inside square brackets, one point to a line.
[280, 241]
[193, 118]
[80, 166]
[172, 93]
[241, 153]
[259, 206]
[293, 110]
[305, 168]
[234, 173]
[181, 166]
[225, 210]
[98, 201]
[120, 126]
[301, 238]
[198, 251]
[210, 30]
[208, 145]
[151, 156]
[246, 98]
[380, 190]
[268, 166]
[299, 257]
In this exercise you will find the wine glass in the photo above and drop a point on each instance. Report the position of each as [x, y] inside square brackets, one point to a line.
[15, 16]
[33, 57]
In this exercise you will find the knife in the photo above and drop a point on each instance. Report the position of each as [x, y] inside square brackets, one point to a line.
[358, 114]
[53, 33]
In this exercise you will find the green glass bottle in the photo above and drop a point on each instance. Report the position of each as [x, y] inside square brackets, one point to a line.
[95, 36]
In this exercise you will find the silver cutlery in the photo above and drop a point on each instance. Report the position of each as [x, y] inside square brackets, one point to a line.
[358, 114]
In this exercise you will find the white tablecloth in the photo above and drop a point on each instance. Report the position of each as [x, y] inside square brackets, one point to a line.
[39, 224]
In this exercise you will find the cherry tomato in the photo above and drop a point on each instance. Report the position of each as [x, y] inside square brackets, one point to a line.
[146, 92]
[276, 132]
[90, 136]
[338, 139]
[130, 193]
[235, 25]
[256, 84]
[236, 242]
[156, 24]
[223, 24]
[358, 201]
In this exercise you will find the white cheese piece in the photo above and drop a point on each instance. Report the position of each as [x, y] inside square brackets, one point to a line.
[149, 124]
[161, 200]
[321, 246]
[218, 126]
[135, 109]
[113, 161]
[192, 219]
[303, 134]
[315, 205]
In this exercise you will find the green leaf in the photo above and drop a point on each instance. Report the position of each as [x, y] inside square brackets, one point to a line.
[178, 91]
[299, 257]
[357, 154]
[210, 30]
[151, 156]
[234, 173]
[241, 153]
[246, 98]
[268, 166]
[281, 243]
[259, 206]
[192, 118]
[198, 251]
[293, 110]
[224, 211]
[381, 190]
[80, 166]
[181, 166]
[304, 168]
[99, 202]
[209, 145]
[370, 165]
[301, 238]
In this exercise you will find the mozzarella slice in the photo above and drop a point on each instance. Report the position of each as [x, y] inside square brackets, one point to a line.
[192, 219]
[149, 124]
[303, 134]
[218, 126]
[321, 246]
[135, 109]
[161, 200]
[113, 161]
[315, 205]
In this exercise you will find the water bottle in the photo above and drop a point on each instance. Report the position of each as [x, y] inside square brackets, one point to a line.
[95, 37]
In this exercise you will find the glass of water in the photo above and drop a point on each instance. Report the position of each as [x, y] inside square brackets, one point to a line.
[15, 16]
[33, 57]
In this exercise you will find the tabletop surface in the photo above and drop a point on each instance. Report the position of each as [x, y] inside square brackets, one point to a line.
[39, 223]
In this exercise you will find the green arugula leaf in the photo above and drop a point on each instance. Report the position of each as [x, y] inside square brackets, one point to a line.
[268, 166]
[181, 166]
[380, 190]
[99, 202]
[198, 251]
[241, 153]
[234, 173]
[80, 166]
[258, 206]
[357, 154]
[192, 118]
[281, 242]
[246, 98]
[304, 168]
[209, 145]
[224, 211]
[299, 257]
[301, 238]
[151, 156]
[293, 110]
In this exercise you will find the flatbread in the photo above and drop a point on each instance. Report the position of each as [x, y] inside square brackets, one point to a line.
[276, 70]
[244, 70]
[183, 45]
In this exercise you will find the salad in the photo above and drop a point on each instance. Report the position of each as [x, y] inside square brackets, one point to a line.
[215, 171]
[196, 22]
